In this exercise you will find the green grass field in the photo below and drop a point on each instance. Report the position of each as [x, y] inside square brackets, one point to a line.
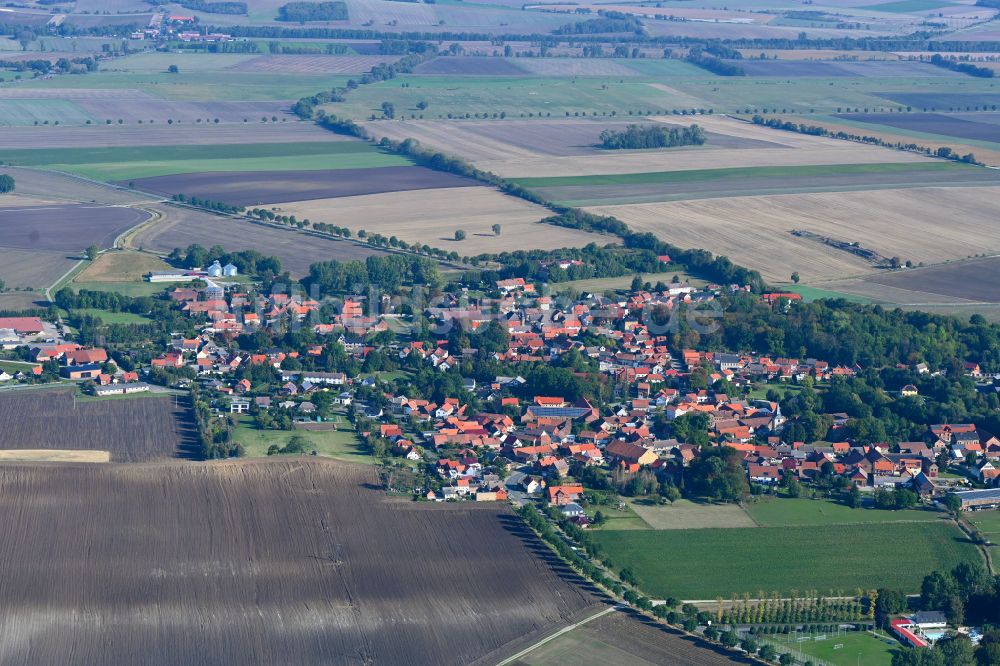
[123, 163]
[200, 86]
[855, 648]
[810, 294]
[782, 512]
[41, 111]
[338, 444]
[109, 317]
[125, 288]
[987, 521]
[618, 520]
[156, 62]
[704, 564]
[514, 95]
[778, 172]
[16, 366]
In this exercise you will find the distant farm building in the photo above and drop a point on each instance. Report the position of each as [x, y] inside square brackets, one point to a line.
[979, 500]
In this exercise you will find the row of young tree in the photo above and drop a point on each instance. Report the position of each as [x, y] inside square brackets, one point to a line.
[808, 608]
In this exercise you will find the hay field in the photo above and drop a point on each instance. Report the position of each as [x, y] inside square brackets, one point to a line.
[137, 430]
[180, 227]
[293, 561]
[125, 266]
[684, 514]
[432, 216]
[754, 231]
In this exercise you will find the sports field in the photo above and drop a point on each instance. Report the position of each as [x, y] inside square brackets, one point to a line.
[704, 564]
[854, 648]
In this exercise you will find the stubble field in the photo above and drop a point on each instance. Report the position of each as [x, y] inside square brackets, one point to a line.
[549, 148]
[292, 561]
[754, 231]
[432, 216]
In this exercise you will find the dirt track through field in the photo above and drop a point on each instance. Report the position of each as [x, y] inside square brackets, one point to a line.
[293, 561]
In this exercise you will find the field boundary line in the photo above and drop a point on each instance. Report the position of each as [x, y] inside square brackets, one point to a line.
[557, 634]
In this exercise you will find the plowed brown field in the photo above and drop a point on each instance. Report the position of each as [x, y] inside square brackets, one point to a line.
[297, 561]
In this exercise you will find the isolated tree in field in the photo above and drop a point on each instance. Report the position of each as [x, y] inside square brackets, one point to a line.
[6, 184]
[173, 69]
[388, 109]
[496, 229]
[459, 235]
[92, 252]
[636, 283]
[795, 277]
[25, 37]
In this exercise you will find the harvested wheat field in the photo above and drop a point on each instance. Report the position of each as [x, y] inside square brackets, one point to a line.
[55, 455]
[293, 561]
[556, 150]
[132, 430]
[431, 217]
[754, 231]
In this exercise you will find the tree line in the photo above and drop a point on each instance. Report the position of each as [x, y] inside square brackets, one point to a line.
[709, 62]
[313, 11]
[964, 67]
[943, 152]
[223, 7]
